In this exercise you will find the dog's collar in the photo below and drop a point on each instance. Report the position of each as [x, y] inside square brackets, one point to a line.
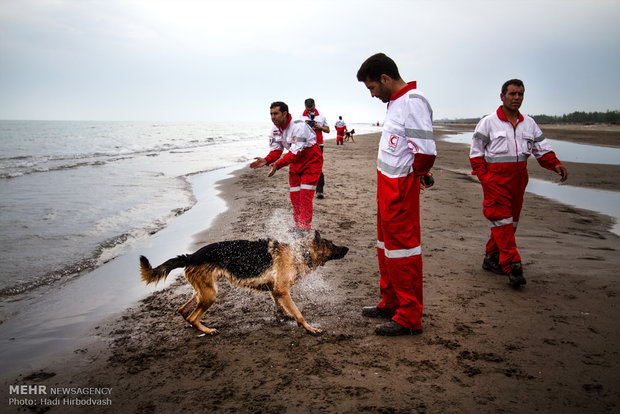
[308, 258]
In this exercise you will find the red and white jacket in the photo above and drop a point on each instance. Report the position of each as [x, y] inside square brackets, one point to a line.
[496, 141]
[407, 144]
[320, 120]
[295, 137]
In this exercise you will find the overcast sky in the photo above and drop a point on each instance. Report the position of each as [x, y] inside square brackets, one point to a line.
[182, 60]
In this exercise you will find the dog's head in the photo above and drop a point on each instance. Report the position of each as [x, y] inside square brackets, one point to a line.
[322, 250]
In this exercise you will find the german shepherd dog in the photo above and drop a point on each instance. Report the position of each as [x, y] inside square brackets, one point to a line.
[349, 135]
[263, 265]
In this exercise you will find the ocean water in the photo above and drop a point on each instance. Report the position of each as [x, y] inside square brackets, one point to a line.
[72, 194]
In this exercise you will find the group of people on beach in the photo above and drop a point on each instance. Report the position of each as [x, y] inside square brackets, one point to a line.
[501, 145]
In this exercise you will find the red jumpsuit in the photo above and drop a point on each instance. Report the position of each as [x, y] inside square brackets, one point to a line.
[406, 151]
[306, 162]
[498, 156]
[341, 128]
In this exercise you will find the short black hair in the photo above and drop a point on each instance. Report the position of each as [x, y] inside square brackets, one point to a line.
[309, 103]
[516, 82]
[375, 66]
[283, 107]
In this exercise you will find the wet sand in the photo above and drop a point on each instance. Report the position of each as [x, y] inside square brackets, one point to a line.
[551, 346]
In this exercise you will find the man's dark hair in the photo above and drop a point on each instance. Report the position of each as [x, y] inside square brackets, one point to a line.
[283, 107]
[309, 103]
[375, 66]
[516, 82]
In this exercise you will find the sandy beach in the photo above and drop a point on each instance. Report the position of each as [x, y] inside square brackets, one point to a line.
[552, 346]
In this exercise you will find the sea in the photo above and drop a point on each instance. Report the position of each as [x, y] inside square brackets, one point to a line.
[73, 194]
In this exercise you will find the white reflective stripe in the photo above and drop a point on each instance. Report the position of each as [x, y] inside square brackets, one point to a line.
[397, 254]
[418, 133]
[303, 187]
[502, 222]
[384, 167]
[508, 158]
[482, 137]
[514, 224]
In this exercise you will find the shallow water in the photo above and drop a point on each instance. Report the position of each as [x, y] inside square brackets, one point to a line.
[57, 319]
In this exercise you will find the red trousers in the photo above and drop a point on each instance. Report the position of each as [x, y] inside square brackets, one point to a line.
[504, 186]
[304, 173]
[398, 248]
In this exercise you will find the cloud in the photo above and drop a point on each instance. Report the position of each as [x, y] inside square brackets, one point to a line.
[226, 60]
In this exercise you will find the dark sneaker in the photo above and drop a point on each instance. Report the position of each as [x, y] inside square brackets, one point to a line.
[320, 196]
[392, 328]
[491, 263]
[374, 312]
[516, 275]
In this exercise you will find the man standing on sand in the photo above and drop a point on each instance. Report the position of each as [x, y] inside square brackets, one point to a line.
[341, 128]
[407, 152]
[501, 145]
[318, 123]
[305, 159]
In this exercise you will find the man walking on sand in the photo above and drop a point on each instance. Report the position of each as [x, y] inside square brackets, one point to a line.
[305, 159]
[318, 123]
[341, 128]
[407, 152]
[501, 145]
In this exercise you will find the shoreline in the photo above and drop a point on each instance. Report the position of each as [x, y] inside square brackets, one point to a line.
[473, 341]
[60, 316]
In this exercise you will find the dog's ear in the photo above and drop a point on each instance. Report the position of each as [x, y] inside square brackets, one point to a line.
[317, 236]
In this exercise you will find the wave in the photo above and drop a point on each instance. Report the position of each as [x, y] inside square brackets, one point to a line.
[104, 252]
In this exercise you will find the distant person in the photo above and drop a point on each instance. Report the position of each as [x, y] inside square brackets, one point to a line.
[407, 152]
[341, 128]
[304, 156]
[319, 124]
[501, 145]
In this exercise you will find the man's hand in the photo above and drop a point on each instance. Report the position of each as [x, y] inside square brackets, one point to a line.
[561, 172]
[273, 170]
[259, 162]
[426, 181]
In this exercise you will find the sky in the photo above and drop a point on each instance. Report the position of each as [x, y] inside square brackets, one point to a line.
[195, 61]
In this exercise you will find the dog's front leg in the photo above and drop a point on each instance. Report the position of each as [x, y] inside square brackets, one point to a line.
[279, 308]
[283, 297]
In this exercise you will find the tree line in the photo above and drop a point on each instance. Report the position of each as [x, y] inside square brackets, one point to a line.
[609, 117]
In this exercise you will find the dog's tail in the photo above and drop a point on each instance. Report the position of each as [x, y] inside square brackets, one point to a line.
[150, 275]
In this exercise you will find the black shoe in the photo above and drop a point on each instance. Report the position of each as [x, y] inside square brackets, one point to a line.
[491, 263]
[374, 312]
[392, 328]
[516, 275]
[320, 196]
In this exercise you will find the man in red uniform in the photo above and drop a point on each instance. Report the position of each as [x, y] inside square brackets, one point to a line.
[304, 156]
[341, 128]
[407, 152]
[318, 123]
[501, 145]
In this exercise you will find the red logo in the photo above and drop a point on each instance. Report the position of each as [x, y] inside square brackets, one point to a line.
[393, 142]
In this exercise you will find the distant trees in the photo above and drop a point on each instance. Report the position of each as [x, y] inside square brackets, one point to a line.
[610, 117]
